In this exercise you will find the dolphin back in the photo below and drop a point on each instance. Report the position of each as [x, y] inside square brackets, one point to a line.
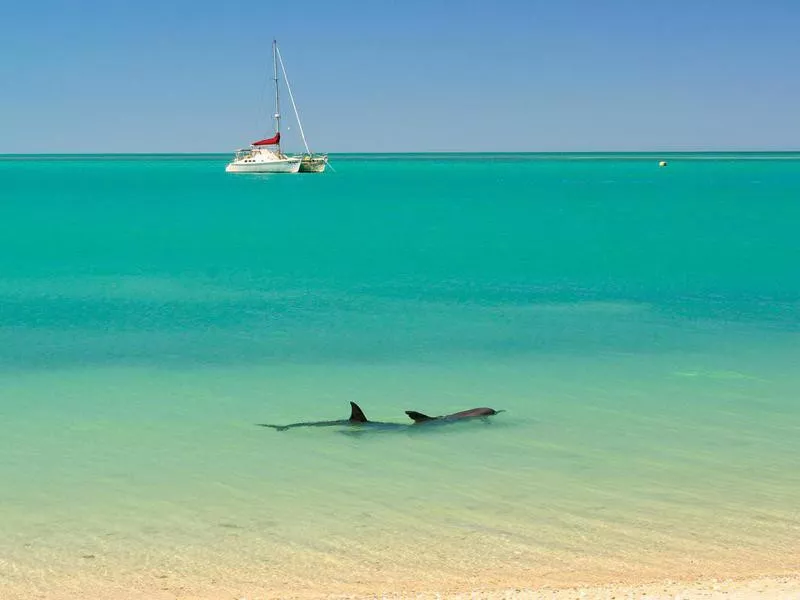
[483, 411]
[418, 417]
[356, 414]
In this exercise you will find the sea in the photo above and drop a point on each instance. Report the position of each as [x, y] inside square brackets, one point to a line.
[638, 325]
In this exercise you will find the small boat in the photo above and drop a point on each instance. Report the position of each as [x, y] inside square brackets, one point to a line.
[313, 163]
[309, 162]
[265, 156]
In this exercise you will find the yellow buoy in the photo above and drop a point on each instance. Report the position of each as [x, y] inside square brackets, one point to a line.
[662, 163]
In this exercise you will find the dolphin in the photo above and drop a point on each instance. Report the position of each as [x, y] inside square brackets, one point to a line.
[357, 417]
[472, 413]
[423, 422]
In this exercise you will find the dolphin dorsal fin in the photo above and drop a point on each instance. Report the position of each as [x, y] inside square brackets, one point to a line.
[418, 417]
[356, 414]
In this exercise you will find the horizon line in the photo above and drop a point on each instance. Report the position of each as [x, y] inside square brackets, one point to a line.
[416, 152]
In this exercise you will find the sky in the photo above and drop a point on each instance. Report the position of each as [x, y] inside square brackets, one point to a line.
[401, 76]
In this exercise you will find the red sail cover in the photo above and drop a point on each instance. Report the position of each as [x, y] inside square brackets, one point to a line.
[269, 141]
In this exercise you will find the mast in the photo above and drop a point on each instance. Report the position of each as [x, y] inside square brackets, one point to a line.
[277, 95]
[291, 97]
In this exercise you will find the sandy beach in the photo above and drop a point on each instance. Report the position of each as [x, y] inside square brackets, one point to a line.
[377, 566]
[303, 576]
[767, 588]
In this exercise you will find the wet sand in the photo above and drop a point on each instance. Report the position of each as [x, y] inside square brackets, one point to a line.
[777, 588]
[768, 588]
[306, 576]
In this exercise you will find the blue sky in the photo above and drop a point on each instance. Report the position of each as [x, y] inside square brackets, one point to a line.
[380, 76]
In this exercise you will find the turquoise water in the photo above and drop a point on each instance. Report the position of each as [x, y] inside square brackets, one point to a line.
[638, 325]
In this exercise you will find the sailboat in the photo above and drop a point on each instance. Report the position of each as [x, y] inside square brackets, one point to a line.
[309, 162]
[265, 156]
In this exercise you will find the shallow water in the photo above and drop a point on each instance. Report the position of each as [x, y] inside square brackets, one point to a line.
[638, 325]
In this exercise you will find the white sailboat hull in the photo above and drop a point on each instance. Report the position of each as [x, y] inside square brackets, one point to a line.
[288, 165]
[261, 159]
